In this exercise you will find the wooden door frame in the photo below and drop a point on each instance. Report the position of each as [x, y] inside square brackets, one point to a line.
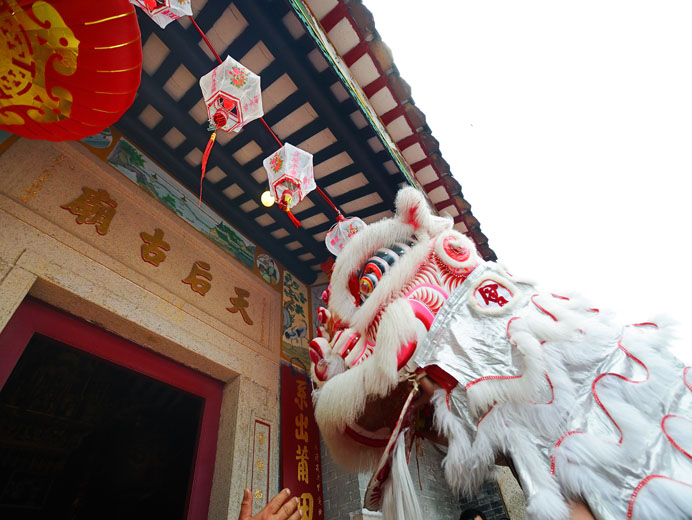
[33, 317]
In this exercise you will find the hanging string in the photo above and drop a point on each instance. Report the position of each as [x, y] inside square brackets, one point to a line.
[206, 40]
[339, 216]
[271, 132]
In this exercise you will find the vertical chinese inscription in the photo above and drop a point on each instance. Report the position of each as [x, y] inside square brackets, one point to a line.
[259, 464]
[301, 431]
[301, 471]
[306, 505]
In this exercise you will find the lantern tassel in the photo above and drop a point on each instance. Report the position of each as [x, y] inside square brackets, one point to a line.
[293, 218]
[285, 205]
[205, 158]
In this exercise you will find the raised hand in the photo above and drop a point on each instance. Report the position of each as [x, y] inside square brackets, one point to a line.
[281, 507]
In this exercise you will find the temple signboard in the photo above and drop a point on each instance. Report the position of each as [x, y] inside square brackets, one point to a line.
[301, 469]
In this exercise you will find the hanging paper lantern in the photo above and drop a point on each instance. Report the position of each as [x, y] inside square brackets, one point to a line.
[164, 12]
[68, 68]
[233, 97]
[290, 174]
[341, 232]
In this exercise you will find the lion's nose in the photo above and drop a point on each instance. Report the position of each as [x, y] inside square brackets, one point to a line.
[318, 347]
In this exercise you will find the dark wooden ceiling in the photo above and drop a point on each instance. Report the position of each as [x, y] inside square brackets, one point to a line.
[305, 104]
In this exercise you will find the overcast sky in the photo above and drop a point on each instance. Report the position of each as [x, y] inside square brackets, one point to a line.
[569, 127]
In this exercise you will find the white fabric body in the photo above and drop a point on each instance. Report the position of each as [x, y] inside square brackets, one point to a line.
[532, 384]
[232, 81]
[289, 169]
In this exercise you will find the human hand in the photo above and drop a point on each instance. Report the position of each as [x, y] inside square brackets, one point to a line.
[281, 507]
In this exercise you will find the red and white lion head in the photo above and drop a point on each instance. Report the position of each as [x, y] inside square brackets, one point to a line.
[387, 285]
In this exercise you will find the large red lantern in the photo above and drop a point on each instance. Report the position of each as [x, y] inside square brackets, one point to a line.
[68, 68]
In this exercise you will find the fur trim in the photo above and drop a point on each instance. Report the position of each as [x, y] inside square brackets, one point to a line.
[476, 306]
[342, 400]
[398, 277]
[450, 426]
[412, 209]
[412, 218]
[525, 388]
[660, 497]
[456, 240]
[357, 251]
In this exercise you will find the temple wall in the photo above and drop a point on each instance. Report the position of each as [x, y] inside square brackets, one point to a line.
[100, 275]
[344, 492]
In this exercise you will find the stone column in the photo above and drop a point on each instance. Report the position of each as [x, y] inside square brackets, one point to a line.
[245, 405]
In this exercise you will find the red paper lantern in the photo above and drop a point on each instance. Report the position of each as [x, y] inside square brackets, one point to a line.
[69, 68]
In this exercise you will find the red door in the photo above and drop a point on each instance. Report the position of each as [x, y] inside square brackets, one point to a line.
[98, 421]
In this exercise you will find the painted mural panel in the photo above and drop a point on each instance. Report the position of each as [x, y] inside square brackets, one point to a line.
[294, 339]
[101, 140]
[155, 181]
[268, 269]
[315, 303]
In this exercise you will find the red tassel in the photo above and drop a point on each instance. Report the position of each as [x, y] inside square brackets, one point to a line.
[205, 158]
[295, 221]
[285, 205]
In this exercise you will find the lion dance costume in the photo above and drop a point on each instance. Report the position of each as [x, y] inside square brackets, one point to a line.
[587, 410]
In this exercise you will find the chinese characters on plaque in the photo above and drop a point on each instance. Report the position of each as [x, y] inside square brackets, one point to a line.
[154, 247]
[259, 470]
[93, 207]
[96, 207]
[301, 470]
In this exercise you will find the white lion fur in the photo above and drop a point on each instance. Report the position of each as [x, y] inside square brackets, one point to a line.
[483, 394]
[458, 240]
[341, 400]
[378, 235]
[579, 338]
[351, 259]
[401, 273]
[450, 426]
[661, 498]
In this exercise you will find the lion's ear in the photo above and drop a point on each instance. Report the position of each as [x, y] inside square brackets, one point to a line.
[411, 208]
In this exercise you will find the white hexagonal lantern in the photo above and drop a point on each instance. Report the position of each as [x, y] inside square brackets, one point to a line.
[164, 12]
[341, 232]
[290, 174]
[233, 96]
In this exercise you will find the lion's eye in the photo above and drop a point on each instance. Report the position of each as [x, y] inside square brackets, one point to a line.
[367, 285]
[378, 265]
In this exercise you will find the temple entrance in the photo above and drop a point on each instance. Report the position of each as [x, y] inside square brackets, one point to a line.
[84, 437]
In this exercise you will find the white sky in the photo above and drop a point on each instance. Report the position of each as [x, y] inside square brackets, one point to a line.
[569, 127]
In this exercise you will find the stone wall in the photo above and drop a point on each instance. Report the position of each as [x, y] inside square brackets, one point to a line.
[344, 492]
[341, 490]
[101, 276]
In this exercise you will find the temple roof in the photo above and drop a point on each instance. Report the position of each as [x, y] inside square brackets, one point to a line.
[329, 86]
